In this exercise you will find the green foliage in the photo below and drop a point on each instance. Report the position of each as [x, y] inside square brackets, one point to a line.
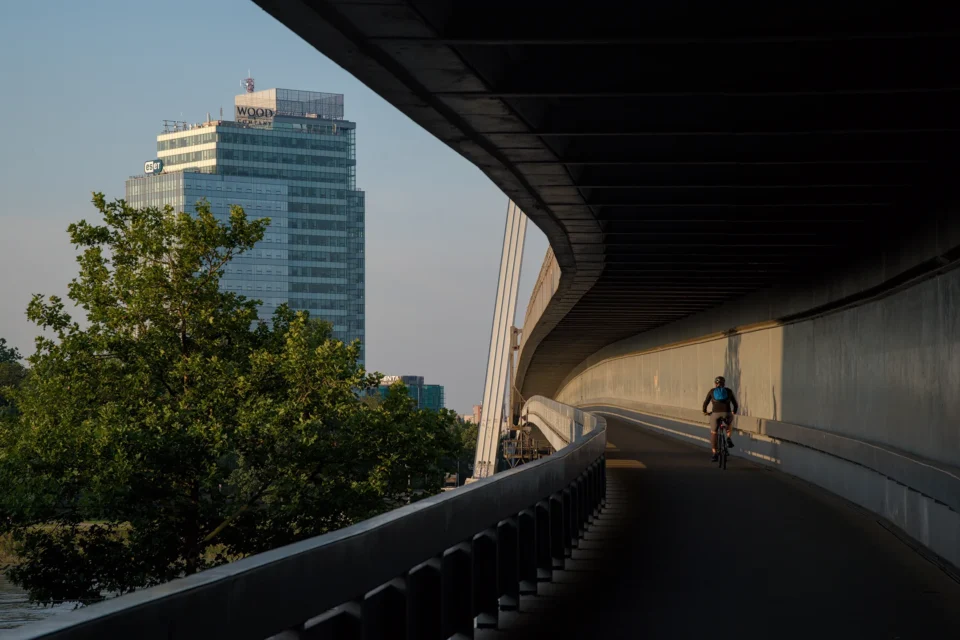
[12, 375]
[8, 354]
[175, 432]
[467, 435]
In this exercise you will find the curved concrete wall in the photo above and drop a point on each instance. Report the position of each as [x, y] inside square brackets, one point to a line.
[559, 423]
[886, 372]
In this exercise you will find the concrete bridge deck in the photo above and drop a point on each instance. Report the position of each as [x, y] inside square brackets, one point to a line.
[799, 562]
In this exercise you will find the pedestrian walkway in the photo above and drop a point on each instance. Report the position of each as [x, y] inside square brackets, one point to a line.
[685, 550]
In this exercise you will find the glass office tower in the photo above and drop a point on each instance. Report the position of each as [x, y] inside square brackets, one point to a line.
[426, 396]
[291, 157]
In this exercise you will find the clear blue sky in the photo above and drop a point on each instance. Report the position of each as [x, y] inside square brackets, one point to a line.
[85, 87]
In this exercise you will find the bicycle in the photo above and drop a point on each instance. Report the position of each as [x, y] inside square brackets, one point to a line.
[722, 435]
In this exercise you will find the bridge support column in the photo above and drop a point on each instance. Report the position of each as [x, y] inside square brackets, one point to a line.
[502, 338]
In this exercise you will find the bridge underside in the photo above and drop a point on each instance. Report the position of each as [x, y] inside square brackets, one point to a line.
[675, 155]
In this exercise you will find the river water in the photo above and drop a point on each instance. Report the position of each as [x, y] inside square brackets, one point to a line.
[15, 611]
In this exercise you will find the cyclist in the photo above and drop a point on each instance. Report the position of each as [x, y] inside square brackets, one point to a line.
[722, 399]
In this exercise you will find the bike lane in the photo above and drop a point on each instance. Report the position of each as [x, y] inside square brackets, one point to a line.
[685, 549]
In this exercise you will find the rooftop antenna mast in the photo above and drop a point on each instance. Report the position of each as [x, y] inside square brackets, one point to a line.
[247, 83]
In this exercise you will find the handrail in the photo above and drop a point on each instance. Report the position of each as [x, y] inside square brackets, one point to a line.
[433, 567]
[561, 424]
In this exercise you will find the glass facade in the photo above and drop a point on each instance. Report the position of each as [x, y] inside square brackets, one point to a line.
[427, 396]
[301, 173]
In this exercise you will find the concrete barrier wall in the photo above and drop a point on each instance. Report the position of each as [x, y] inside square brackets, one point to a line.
[560, 424]
[886, 372]
[548, 280]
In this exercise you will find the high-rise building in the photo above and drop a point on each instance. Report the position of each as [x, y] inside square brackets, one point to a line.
[427, 396]
[290, 156]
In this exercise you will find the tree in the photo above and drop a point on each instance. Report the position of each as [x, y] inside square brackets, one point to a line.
[176, 432]
[8, 354]
[467, 435]
[12, 374]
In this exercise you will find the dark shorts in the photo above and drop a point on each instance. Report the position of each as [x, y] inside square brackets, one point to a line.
[715, 420]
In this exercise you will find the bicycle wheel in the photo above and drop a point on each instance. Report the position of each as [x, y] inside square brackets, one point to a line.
[722, 441]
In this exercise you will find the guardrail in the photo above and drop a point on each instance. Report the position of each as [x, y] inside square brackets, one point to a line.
[561, 424]
[431, 569]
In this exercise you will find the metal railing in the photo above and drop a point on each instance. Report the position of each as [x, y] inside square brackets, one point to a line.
[432, 569]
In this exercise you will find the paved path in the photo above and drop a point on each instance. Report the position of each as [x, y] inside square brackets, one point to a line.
[682, 541]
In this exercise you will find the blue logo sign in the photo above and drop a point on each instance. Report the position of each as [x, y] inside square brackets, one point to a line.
[151, 167]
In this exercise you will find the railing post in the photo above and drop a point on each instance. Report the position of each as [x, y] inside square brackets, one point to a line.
[597, 491]
[566, 532]
[424, 601]
[340, 623]
[545, 539]
[527, 550]
[508, 563]
[556, 531]
[582, 501]
[603, 480]
[587, 514]
[456, 599]
[384, 610]
[574, 490]
[485, 592]
[591, 485]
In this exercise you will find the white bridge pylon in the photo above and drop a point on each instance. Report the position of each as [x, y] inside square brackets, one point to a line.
[493, 418]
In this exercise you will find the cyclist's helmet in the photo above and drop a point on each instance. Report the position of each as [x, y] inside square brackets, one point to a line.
[719, 380]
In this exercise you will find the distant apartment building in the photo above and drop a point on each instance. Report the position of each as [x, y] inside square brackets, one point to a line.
[474, 417]
[289, 156]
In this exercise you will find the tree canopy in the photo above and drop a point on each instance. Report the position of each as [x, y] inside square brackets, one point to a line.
[8, 354]
[175, 431]
[12, 374]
